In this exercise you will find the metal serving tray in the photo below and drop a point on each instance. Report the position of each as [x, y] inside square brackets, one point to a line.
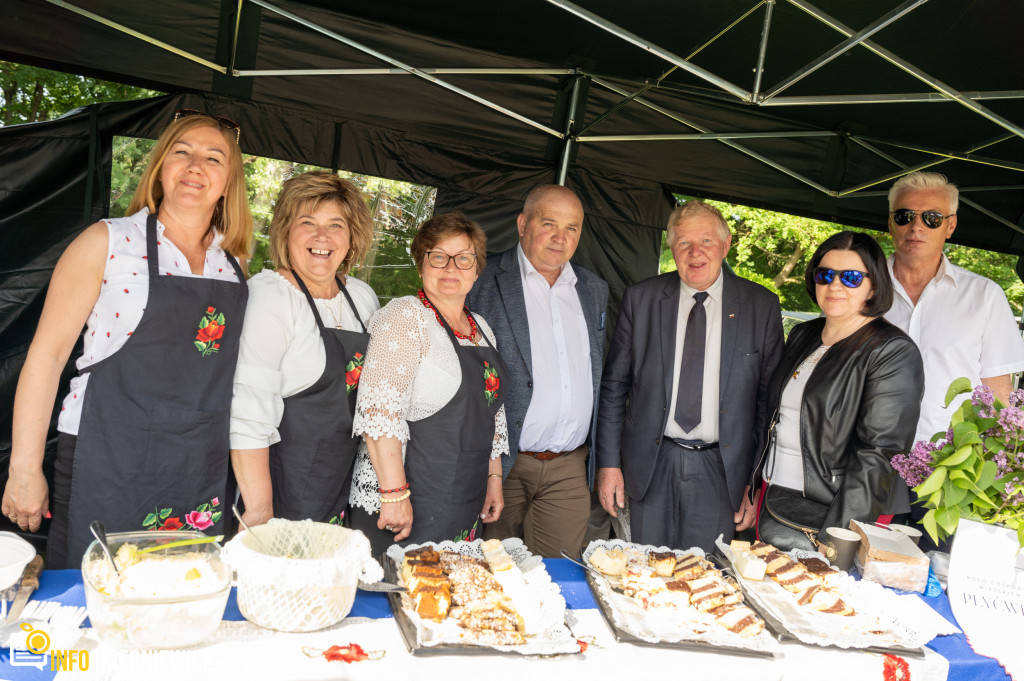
[698, 646]
[778, 628]
[407, 626]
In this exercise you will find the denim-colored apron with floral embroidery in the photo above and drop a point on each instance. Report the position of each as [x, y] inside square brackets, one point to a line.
[448, 455]
[311, 467]
[152, 450]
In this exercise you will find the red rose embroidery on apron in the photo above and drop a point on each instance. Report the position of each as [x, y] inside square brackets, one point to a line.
[211, 328]
[353, 370]
[491, 383]
[470, 534]
[203, 517]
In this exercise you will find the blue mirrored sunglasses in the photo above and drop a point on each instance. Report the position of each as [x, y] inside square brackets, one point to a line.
[848, 278]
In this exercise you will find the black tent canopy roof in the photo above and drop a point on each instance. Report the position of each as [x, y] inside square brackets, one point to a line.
[809, 107]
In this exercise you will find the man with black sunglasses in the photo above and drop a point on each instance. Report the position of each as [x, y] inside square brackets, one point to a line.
[960, 320]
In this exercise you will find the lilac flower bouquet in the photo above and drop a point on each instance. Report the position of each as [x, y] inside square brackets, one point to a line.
[973, 470]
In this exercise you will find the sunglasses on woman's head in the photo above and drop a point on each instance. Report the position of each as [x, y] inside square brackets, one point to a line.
[848, 278]
[225, 123]
[932, 219]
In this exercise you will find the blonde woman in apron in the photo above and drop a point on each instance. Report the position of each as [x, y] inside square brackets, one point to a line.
[302, 354]
[144, 428]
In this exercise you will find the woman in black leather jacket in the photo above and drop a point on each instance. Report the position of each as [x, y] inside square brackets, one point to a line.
[845, 399]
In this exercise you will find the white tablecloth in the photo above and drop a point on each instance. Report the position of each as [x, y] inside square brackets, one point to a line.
[243, 651]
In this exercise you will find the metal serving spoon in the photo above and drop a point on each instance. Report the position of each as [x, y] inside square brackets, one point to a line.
[238, 514]
[100, 532]
[583, 565]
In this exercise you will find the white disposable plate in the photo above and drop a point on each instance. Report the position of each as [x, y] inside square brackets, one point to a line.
[15, 554]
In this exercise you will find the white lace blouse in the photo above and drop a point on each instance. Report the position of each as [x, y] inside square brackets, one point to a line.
[281, 352]
[411, 371]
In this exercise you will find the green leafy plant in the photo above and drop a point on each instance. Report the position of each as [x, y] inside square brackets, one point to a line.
[973, 470]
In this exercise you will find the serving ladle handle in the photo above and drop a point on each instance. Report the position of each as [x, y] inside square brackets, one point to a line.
[238, 514]
[100, 532]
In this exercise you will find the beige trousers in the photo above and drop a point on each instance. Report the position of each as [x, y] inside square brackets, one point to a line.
[547, 504]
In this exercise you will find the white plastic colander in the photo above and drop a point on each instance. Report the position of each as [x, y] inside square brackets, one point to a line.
[308, 579]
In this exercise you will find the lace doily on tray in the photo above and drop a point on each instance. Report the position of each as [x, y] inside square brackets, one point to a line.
[554, 637]
[671, 625]
[880, 619]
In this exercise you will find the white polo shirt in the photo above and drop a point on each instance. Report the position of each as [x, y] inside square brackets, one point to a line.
[963, 327]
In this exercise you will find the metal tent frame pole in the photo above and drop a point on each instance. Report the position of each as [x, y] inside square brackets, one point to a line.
[961, 190]
[405, 67]
[668, 56]
[846, 45]
[138, 35]
[705, 136]
[234, 37]
[912, 70]
[909, 169]
[647, 85]
[952, 155]
[906, 170]
[900, 98]
[252, 73]
[570, 121]
[726, 90]
[738, 147]
[762, 50]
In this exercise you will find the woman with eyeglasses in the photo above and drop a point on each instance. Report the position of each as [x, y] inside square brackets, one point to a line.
[844, 400]
[303, 346]
[143, 442]
[430, 403]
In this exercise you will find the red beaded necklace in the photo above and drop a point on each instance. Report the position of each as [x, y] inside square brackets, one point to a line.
[472, 324]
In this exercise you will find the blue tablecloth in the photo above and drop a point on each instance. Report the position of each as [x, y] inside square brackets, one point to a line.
[66, 587]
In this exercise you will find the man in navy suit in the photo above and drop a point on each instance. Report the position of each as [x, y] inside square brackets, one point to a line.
[683, 397]
[548, 317]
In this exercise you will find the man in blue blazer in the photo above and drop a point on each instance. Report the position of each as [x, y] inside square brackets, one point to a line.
[548, 316]
[683, 397]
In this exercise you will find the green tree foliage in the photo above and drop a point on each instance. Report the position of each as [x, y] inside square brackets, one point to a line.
[130, 155]
[32, 94]
[773, 249]
[999, 267]
[397, 209]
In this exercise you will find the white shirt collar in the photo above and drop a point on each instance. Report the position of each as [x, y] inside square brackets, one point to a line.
[714, 291]
[526, 268]
[946, 269]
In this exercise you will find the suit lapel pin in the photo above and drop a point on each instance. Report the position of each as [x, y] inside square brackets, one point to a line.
[731, 316]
